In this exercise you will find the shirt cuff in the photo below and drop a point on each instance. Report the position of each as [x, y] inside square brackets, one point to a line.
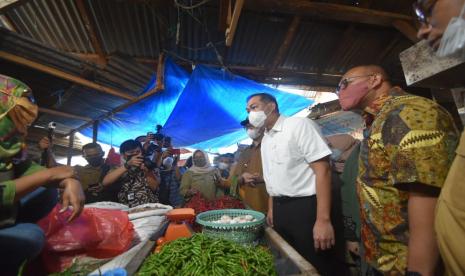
[314, 157]
[8, 194]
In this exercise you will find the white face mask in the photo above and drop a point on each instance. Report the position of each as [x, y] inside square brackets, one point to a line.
[453, 39]
[168, 162]
[253, 133]
[223, 166]
[257, 118]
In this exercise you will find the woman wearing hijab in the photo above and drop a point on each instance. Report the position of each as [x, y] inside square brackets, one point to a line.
[23, 200]
[202, 177]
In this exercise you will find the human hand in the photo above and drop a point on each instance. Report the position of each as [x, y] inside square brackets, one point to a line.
[60, 173]
[248, 179]
[323, 235]
[72, 196]
[353, 247]
[136, 161]
[269, 217]
[44, 143]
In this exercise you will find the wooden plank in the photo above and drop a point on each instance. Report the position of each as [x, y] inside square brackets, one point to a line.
[63, 114]
[288, 38]
[89, 24]
[407, 29]
[231, 31]
[286, 250]
[63, 75]
[328, 11]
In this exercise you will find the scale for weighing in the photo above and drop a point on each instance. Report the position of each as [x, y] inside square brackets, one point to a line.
[179, 226]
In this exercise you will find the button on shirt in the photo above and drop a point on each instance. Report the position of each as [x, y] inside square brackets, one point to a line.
[287, 150]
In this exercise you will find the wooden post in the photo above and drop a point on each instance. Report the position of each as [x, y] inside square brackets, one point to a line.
[95, 131]
[70, 148]
[231, 31]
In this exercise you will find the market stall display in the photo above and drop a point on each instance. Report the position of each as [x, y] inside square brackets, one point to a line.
[203, 255]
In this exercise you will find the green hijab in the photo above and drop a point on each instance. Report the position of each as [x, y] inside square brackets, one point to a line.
[11, 142]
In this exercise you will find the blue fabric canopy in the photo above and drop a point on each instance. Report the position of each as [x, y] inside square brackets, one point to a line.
[212, 105]
[202, 112]
[142, 117]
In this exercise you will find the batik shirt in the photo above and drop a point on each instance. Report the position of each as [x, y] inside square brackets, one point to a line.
[135, 190]
[411, 140]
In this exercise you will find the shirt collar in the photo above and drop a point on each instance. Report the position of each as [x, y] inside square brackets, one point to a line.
[278, 126]
[371, 111]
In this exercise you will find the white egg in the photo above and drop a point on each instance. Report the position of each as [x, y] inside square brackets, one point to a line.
[249, 217]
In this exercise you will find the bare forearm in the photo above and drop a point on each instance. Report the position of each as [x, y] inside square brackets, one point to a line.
[27, 184]
[323, 189]
[113, 176]
[423, 253]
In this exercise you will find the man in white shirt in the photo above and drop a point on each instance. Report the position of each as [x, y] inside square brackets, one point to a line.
[297, 173]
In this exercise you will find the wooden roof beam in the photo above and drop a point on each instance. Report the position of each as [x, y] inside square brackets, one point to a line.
[91, 31]
[63, 114]
[288, 38]
[328, 11]
[231, 30]
[63, 75]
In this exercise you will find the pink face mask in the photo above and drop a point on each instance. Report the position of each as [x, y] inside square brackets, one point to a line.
[352, 95]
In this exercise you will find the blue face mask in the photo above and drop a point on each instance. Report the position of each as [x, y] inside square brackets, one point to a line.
[336, 154]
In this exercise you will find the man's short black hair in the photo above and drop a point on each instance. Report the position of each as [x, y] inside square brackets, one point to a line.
[266, 98]
[91, 146]
[129, 145]
[139, 138]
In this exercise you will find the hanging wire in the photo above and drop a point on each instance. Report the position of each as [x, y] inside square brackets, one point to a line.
[191, 7]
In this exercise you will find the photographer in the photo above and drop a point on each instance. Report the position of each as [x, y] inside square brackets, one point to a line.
[136, 177]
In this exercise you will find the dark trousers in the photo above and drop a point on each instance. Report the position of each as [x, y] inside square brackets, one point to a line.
[24, 240]
[293, 219]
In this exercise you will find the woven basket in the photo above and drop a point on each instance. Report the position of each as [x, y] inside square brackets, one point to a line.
[245, 233]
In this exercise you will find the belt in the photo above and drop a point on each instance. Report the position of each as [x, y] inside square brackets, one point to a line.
[282, 199]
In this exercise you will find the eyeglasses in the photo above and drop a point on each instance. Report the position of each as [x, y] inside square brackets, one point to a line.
[345, 82]
[423, 10]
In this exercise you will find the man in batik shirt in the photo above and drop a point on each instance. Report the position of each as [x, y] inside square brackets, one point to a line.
[407, 150]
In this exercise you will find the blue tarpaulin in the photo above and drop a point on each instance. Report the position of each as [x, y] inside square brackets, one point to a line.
[203, 111]
[212, 105]
[142, 117]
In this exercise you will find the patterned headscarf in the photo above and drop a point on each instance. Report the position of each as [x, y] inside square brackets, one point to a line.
[12, 122]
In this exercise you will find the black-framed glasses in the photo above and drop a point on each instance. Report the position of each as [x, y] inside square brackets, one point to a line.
[345, 82]
[423, 10]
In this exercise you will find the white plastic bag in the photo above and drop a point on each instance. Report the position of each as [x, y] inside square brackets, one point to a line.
[453, 39]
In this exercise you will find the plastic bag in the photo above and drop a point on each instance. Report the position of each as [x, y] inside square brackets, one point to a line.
[453, 39]
[97, 233]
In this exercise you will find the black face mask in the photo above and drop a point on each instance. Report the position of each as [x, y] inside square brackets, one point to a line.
[200, 162]
[95, 161]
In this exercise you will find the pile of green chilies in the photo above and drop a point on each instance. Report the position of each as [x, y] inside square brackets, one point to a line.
[202, 255]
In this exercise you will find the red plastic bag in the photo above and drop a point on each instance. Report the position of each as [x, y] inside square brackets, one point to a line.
[97, 233]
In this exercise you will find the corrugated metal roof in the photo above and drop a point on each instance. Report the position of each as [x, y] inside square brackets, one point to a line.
[49, 30]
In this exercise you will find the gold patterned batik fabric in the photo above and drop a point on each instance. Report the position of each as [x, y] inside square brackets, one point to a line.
[412, 140]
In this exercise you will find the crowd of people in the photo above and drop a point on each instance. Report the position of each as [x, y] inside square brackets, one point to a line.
[392, 200]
